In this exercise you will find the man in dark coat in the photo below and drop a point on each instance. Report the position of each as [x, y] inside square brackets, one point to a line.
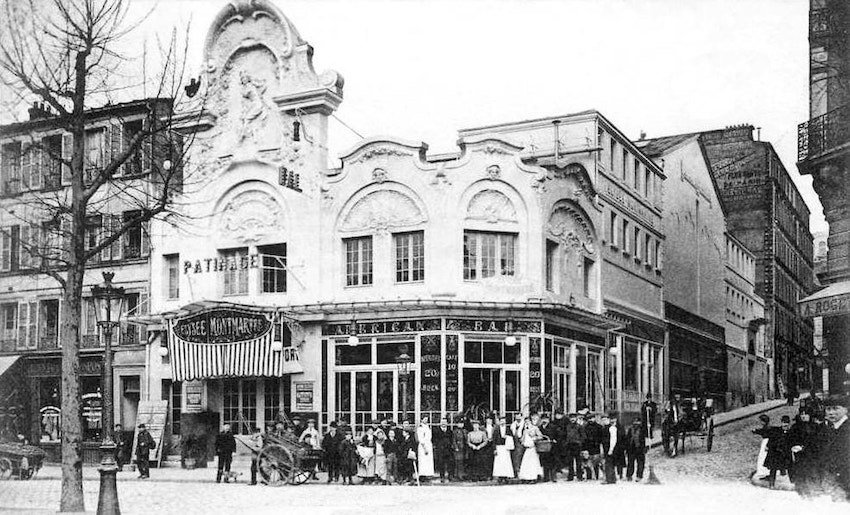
[407, 452]
[837, 450]
[144, 445]
[120, 447]
[648, 412]
[595, 435]
[557, 432]
[636, 449]
[459, 445]
[330, 446]
[574, 436]
[444, 450]
[225, 446]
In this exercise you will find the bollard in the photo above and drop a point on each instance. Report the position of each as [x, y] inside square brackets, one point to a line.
[653, 479]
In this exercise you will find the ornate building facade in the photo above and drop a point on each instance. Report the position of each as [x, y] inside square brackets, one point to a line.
[287, 285]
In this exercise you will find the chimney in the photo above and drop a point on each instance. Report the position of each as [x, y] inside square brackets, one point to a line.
[642, 135]
[39, 111]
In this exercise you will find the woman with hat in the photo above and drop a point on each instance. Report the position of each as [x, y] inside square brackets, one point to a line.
[476, 440]
[503, 440]
[530, 470]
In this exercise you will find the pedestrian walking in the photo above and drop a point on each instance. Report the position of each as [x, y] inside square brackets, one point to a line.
[330, 446]
[503, 440]
[778, 458]
[225, 446]
[530, 469]
[636, 449]
[444, 451]
[144, 445]
[255, 443]
[425, 449]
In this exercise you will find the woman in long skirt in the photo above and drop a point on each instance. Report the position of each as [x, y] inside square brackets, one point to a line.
[475, 441]
[503, 468]
[517, 427]
[530, 470]
[425, 454]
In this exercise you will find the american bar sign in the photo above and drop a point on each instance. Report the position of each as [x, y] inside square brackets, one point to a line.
[222, 326]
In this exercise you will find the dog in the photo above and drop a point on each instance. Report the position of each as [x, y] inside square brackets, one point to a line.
[231, 475]
[591, 465]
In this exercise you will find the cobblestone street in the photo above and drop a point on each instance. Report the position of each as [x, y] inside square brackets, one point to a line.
[696, 482]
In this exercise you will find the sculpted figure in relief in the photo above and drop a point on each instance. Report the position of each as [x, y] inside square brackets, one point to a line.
[254, 106]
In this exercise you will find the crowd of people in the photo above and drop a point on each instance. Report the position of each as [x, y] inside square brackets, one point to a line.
[530, 449]
[813, 451]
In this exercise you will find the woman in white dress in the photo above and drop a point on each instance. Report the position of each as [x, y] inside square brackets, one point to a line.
[530, 470]
[425, 454]
[380, 456]
[503, 468]
[366, 450]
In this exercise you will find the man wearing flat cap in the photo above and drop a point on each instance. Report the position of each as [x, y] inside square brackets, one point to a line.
[837, 451]
[144, 445]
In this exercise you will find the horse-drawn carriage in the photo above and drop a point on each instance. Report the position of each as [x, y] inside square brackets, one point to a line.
[19, 461]
[692, 418]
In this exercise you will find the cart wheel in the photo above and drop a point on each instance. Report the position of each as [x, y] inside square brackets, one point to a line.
[276, 465]
[5, 468]
[300, 477]
[710, 440]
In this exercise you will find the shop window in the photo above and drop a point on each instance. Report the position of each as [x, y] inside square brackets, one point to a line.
[487, 254]
[512, 395]
[490, 352]
[363, 391]
[343, 395]
[273, 268]
[358, 261]
[172, 276]
[92, 407]
[631, 370]
[551, 264]
[49, 397]
[409, 256]
[561, 356]
[271, 408]
[239, 398]
[353, 355]
[235, 275]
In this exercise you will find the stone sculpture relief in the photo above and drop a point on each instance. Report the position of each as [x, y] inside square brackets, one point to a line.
[373, 152]
[381, 211]
[379, 175]
[492, 207]
[254, 106]
[251, 216]
[494, 172]
[568, 226]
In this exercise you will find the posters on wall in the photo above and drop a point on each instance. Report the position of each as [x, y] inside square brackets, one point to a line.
[304, 396]
[194, 397]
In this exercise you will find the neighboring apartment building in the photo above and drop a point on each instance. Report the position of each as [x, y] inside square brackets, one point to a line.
[694, 308]
[766, 214]
[750, 371]
[32, 239]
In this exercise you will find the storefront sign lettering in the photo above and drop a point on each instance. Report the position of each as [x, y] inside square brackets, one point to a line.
[493, 326]
[534, 355]
[834, 305]
[221, 264]
[399, 326]
[430, 364]
[222, 326]
[304, 396]
[451, 373]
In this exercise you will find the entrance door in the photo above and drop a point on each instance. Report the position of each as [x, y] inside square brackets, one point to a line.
[595, 391]
[482, 390]
[562, 390]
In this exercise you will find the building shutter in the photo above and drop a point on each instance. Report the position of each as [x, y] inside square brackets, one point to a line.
[24, 246]
[37, 167]
[26, 166]
[144, 299]
[23, 317]
[116, 137]
[117, 247]
[145, 238]
[146, 149]
[5, 248]
[67, 154]
[59, 323]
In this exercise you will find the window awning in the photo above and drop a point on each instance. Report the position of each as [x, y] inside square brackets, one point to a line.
[832, 300]
[7, 362]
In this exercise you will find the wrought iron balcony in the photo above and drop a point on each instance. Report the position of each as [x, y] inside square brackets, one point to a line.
[823, 134]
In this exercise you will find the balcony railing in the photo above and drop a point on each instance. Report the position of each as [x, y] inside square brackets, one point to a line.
[823, 134]
[827, 22]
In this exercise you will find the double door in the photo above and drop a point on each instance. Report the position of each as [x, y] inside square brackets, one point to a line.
[362, 396]
[491, 389]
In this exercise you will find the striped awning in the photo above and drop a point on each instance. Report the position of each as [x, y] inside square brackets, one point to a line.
[218, 343]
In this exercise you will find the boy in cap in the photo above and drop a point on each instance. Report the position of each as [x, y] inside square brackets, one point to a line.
[144, 445]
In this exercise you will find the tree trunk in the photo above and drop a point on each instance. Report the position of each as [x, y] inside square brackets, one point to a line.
[72, 437]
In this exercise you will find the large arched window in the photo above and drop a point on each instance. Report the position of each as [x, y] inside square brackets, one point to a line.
[490, 237]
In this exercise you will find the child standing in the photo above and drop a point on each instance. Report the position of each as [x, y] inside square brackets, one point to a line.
[348, 459]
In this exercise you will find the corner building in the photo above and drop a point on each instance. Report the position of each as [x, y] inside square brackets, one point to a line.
[486, 266]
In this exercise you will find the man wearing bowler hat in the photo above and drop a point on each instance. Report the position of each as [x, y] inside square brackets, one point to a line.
[837, 452]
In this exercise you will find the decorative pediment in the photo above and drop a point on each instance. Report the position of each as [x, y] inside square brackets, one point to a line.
[251, 216]
[491, 206]
[382, 211]
[569, 225]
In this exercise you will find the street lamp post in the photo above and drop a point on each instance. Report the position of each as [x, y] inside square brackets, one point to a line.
[403, 361]
[109, 306]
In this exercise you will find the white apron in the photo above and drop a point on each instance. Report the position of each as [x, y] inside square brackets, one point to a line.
[502, 464]
[425, 454]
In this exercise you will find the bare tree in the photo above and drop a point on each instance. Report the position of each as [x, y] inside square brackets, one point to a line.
[66, 55]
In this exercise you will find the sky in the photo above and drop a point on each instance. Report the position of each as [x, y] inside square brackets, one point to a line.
[421, 70]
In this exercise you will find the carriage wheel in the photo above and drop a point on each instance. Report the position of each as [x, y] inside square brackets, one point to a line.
[5, 468]
[276, 465]
[709, 441]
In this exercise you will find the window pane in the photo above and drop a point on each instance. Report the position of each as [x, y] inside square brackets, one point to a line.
[492, 352]
[363, 391]
[512, 354]
[630, 369]
[512, 385]
[388, 352]
[507, 254]
[469, 256]
[366, 260]
[274, 268]
[402, 257]
[418, 248]
[488, 254]
[472, 352]
[385, 391]
[343, 391]
[356, 355]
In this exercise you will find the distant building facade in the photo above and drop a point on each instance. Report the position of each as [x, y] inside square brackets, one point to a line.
[32, 239]
[694, 225]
